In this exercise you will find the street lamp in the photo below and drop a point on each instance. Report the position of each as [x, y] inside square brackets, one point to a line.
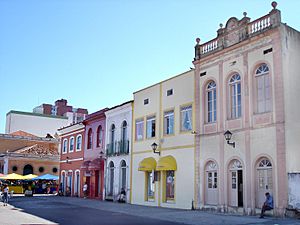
[67, 160]
[228, 136]
[101, 155]
[154, 148]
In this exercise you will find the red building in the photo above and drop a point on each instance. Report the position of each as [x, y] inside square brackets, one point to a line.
[71, 159]
[93, 166]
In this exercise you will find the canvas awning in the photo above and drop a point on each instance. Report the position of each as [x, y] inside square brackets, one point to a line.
[46, 177]
[166, 163]
[12, 176]
[147, 164]
[29, 176]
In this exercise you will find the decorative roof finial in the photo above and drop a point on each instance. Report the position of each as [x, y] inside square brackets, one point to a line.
[198, 41]
[221, 25]
[245, 14]
[274, 5]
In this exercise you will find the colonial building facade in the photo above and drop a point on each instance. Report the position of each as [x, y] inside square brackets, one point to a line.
[163, 120]
[118, 145]
[71, 158]
[94, 151]
[247, 82]
[24, 154]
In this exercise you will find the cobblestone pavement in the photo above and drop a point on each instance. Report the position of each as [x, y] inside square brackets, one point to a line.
[69, 211]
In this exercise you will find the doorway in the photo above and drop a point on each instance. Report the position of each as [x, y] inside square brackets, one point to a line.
[236, 187]
[264, 181]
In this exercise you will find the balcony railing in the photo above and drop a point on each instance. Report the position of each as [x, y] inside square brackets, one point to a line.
[111, 148]
[123, 147]
[236, 31]
[117, 148]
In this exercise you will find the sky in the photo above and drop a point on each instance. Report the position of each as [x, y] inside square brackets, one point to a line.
[96, 53]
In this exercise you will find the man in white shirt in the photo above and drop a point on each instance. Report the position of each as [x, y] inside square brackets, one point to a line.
[85, 190]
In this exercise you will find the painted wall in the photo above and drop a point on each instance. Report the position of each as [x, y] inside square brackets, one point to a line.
[35, 124]
[117, 116]
[180, 145]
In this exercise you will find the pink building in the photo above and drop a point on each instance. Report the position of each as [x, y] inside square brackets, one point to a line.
[247, 82]
[94, 152]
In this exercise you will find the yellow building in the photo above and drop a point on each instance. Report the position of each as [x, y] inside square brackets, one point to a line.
[163, 116]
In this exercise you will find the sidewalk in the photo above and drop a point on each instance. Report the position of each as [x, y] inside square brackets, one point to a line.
[10, 215]
[176, 215]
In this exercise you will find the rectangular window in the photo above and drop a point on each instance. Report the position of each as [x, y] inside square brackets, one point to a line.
[150, 185]
[146, 101]
[169, 92]
[186, 118]
[169, 122]
[139, 129]
[151, 127]
[170, 184]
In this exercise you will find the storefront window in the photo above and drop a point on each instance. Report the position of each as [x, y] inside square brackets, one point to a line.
[170, 184]
[150, 185]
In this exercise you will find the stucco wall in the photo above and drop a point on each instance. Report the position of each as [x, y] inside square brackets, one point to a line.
[34, 124]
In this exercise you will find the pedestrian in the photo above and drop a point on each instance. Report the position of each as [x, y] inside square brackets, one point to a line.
[122, 196]
[5, 194]
[268, 204]
[85, 190]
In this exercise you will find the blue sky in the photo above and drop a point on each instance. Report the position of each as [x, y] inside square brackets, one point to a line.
[96, 53]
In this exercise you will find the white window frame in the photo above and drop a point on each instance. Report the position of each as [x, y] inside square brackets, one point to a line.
[71, 138]
[139, 121]
[234, 83]
[167, 116]
[185, 109]
[78, 149]
[65, 146]
[263, 72]
[149, 121]
[211, 88]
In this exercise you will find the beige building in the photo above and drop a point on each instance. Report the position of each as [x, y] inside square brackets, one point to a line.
[247, 82]
[163, 114]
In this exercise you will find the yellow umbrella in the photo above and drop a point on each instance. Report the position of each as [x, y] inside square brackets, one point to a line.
[29, 176]
[13, 176]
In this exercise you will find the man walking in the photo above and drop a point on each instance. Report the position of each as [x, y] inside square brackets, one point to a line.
[268, 204]
[5, 195]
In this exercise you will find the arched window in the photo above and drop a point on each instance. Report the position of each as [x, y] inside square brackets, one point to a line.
[111, 179]
[235, 96]
[211, 102]
[263, 89]
[65, 146]
[78, 142]
[124, 141]
[28, 169]
[123, 175]
[71, 149]
[112, 137]
[99, 136]
[90, 139]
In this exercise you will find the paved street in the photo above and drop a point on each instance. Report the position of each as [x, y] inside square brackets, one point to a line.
[74, 211]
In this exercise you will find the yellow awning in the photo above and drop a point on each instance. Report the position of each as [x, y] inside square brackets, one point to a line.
[147, 164]
[166, 163]
[30, 176]
[13, 176]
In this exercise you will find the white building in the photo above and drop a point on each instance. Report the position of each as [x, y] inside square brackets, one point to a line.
[37, 124]
[118, 140]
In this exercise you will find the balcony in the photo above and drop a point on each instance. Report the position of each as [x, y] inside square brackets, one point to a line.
[123, 147]
[237, 31]
[111, 149]
[117, 148]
